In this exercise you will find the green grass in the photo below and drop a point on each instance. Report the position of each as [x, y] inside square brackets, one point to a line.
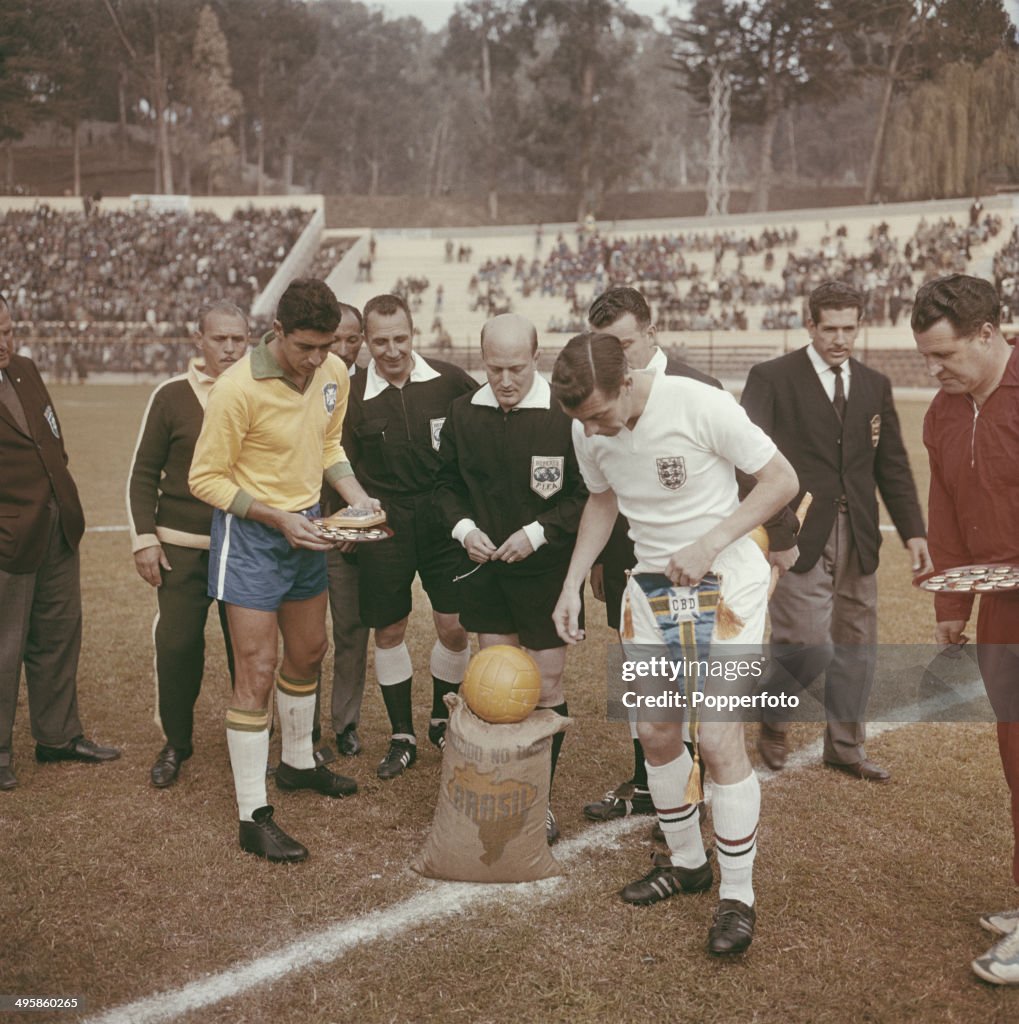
[868, 896]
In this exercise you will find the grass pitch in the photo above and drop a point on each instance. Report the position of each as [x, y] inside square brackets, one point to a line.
[867, 896]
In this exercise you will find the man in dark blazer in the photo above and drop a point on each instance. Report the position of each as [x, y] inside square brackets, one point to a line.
[834, 419]
[41, 524]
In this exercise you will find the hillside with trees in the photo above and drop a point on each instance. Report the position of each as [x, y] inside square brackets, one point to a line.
[579, 99]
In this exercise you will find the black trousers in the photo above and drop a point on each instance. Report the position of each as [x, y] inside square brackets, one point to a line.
[179, 634]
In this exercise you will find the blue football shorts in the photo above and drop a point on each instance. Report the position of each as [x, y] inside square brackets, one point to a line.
[253, 566]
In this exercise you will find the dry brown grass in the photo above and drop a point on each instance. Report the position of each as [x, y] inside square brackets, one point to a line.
[868, 896]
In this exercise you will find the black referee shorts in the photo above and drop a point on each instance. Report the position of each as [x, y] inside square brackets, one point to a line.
[497, 600]
[420, 546]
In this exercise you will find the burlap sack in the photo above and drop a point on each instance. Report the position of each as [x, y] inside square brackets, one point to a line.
[489, 823]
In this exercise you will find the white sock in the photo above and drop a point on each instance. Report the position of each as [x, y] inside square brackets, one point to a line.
[679, 821]
[393, 665]
[295, 701]
[735, 811]
[449, 666]
[247, 739]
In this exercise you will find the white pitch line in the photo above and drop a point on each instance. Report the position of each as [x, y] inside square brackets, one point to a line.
[438, 900]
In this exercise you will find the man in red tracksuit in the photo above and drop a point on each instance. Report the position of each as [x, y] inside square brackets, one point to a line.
[972, 436]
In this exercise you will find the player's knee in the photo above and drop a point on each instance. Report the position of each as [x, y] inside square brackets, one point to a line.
[722, 747]
[553, 692]
[662, 741]
[451, 634]
[392, 635]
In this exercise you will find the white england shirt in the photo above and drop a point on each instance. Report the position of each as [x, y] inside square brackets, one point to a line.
[673, 473]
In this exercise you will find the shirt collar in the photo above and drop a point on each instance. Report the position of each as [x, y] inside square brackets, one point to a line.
[375, 384]
[820, 366]
[263, 362]
[201, 383]
[658, 361]
[539, 396]
[197, 367]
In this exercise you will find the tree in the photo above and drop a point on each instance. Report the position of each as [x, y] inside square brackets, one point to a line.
[950, 134]
[272, 42]
[213, 104]
[902, 42]
[779, 53]
[488, 39]
[155, 37]
[582, 122]
[17, 66]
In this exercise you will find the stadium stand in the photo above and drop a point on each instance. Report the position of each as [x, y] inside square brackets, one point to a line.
[113, 292]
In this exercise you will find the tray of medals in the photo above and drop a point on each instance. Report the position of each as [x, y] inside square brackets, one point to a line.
[973, 579]
[354, 525]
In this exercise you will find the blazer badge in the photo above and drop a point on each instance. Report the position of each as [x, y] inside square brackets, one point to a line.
[51, 419]
[875, 430]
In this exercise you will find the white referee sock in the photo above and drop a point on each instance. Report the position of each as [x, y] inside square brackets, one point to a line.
[736, 811]
[295, 701]
[247, 739]
[679, 821]
[449, 666]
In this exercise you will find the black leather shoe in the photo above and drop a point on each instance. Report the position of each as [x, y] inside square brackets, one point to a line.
[732, 930]
[400, 756]
[167, 767]
[79, 749]
[264, 838]
[320, 779]
[8, 780]
[348, 742]
[866, 770]
[665, 880]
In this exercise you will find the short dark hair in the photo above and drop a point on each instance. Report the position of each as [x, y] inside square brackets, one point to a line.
[966, 302]
[588, 362]
[617, 302]
[387, 305]
[206, 309]
[834, 295]
[308, 305]
[346, 307]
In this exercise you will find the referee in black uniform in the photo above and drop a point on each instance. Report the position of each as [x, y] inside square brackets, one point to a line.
[509, 489]
[395, 412]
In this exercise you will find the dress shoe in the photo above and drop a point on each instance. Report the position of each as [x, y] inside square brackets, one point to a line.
[866, 770]
[772, 746]
[264, 838]
[732, 930]
[167, 767]
[320, 779]
[79, 749]
[348, 742]
[8, 780]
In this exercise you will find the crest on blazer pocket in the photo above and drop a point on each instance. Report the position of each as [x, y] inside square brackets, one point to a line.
[547, 474]
[672, 472]
[51, 419]
[875, 430]
[435, 426]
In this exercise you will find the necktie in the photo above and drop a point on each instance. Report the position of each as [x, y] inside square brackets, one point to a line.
[839, 401]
